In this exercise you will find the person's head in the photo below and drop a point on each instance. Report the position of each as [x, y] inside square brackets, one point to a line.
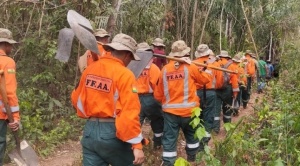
[180, 49]
[158, 43]
[248, 53]
[237, 58]
[102, 36]
[268, 62]
[144, 47]
[123, 47]
[6, 40]
[202, 51]
[224, 55]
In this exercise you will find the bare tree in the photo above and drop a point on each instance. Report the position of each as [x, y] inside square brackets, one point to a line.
[111, 23]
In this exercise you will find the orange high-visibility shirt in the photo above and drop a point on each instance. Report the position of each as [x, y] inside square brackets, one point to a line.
[107, 90]
[242, 78]
[102, 51]
[176, 88]
[212, 81]
[148, 79]
[8, 65]
[250, 65]
[233, 78]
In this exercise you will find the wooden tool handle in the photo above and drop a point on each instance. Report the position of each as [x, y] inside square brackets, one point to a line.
[196, 63]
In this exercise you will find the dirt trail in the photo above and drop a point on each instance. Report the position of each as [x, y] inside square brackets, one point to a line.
[69, 153]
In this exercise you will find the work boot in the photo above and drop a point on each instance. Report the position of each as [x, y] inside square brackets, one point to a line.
[191, 158]
[244, 105]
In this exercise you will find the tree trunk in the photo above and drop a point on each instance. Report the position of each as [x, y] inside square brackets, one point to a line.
[193, 28]
[178, 21]
[221, 22]
[111, 23]
[163, 29]
[204, 24]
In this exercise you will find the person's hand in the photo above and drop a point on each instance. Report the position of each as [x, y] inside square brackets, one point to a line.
[138, 156]
[14, 126]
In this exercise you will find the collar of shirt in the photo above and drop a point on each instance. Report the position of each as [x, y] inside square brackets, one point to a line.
[2, 52]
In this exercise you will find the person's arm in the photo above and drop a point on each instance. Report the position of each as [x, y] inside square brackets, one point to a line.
[234, 81]
[159, 91]
[127, 111]
[11, 90]
[154, 75]
[201, 77]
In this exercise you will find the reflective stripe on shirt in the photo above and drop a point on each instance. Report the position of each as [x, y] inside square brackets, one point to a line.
[136, 140]
[185, 102]
[80, 106]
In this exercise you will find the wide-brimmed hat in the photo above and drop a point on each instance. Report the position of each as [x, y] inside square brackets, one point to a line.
[123, 42]
[202, 50]
[237, 58]
[6, 36]
[249, 52]
[179, 49]
[101, 33]
[158, 42]
[224, 54]
[144, 47]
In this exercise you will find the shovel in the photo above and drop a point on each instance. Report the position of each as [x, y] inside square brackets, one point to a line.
[65, 40]
[83, 30]
[137, 67]
[23, 154]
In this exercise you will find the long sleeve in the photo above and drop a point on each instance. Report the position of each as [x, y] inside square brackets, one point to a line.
[159, 91]
[127, 111]
[11, 86]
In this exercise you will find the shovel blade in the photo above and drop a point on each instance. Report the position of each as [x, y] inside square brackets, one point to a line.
[28, 157]
[137, 67]
[65, 40]
[82, 29]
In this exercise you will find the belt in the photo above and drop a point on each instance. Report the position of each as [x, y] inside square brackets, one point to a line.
[207, 89]
[106, 120]
[146, 94]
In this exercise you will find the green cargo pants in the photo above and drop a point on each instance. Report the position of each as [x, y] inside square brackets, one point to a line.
[3, 130]
[208, 106]
[151, 109]
[243, 96]
[172, 124]
[101, 147]
[223, 103]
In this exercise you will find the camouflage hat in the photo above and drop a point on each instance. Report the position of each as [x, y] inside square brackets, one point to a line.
[179, 49]
[249, 52]
[6, 36]
[237, 58]
[158, 42]
[224, 54]
[123, 42]
[202, 50]
[101, 33]
[144, 47]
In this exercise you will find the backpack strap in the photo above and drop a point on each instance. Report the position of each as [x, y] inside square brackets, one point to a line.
[228, 64]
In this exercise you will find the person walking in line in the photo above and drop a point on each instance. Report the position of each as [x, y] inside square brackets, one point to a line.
[227, 89]
[8, 66]
[150, 107]
[107, 97]
[261, 79]
[176, 90]
[159, 48]
[207, 92]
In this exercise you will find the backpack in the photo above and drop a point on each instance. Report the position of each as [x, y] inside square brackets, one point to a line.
[226, 75]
